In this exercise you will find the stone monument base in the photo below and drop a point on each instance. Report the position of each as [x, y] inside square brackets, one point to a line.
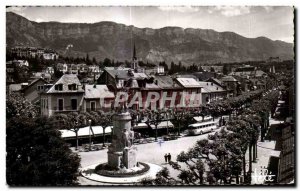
[115, 159]
[129, 157]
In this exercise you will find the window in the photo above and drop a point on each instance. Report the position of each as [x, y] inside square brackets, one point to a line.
[40, 87]
[72, 87]
[60, 103]
[74, 104]
[59, 87]
[93, 105]
[121, 83]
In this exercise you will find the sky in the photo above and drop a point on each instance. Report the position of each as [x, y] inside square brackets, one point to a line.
[274, 22]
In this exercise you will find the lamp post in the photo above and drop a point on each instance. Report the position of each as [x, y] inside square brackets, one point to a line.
[76, 125]
[90, 123]
[167, 118]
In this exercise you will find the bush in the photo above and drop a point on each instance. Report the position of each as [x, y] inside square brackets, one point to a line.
[105, 170]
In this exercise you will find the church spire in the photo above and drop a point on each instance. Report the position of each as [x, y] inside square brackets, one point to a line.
[134, 65]
[134, 53]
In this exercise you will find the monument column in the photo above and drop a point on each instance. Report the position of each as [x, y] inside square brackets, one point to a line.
[122, 151]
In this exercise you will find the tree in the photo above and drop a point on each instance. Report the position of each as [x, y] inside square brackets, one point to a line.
[37, 155]
[102, 119]
[87, 59]
[16, 105]
[72, 121]
[212, 69]
[107, 62]
[225, 69]
[94, 60]
[154, 118]
[178, 116]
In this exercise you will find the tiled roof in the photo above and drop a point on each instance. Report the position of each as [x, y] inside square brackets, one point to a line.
[188, 82]
[123, 73]
[97, 91]
[257, 73]
[33, 82]
[165, 82]
[65, 80]
[228, 79]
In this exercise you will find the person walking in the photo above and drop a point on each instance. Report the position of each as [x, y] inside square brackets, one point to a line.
[166, 158]
[169, 157]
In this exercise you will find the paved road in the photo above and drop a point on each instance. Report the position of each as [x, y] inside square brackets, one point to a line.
[150, 152]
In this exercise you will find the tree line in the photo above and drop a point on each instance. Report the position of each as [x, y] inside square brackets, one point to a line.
[221, 158]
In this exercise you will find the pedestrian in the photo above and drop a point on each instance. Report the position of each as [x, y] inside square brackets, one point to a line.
[169, 157]
[166, 158]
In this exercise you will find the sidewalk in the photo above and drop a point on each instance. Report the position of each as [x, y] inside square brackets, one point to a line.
[265, 150]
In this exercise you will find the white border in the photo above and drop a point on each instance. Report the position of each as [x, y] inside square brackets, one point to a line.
[3, 185]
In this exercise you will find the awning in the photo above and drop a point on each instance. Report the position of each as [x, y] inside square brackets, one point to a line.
[163, 124]
[85, 132]
[199, 118]
[141, 126]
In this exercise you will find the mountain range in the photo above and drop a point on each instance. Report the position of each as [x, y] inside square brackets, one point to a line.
[115, 41]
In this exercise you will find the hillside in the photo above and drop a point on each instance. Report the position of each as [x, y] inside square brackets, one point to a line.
[114, 41]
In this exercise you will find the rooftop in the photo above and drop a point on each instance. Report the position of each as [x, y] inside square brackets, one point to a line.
[165, 82]
[65, 81]
[228, 79]
[208, 87]
[97, 91]
[125, 73]
[188, 82]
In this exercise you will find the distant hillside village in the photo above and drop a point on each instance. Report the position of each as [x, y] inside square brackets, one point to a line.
[58, 84]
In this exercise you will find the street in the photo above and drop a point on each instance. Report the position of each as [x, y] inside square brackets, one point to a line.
[150, 152]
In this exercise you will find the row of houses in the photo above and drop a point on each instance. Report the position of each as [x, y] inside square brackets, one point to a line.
[69, 94]
[78, 68]
[142, 89]
[47, 54]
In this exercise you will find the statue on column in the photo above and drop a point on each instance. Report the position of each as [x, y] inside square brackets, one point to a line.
[125, 138]
[131, 136]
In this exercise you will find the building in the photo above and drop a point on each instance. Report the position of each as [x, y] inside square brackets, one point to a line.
[16, 88]
[49, 70]
[190, 87]
[231, 85]
[248, 72]
[212, 92]
[66, 95]
[50, 55]
[18, 63]
[33, 90]
[170, 87]
[43, 75]
[205, 75]
[47, 54]
[10, 69]
[97, 97]
[62, 67]
[73, 69]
